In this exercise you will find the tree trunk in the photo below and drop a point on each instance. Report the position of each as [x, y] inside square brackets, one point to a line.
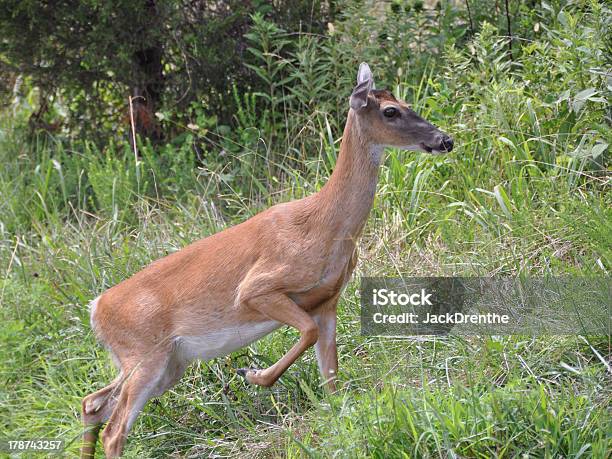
[147, 92]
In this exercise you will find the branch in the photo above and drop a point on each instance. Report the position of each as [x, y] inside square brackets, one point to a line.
[509, 32]
[467, 3]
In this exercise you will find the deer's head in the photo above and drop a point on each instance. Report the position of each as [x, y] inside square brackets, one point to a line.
[387, 121]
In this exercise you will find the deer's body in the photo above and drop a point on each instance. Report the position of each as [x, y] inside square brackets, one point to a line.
[302, 248]
[286, 265]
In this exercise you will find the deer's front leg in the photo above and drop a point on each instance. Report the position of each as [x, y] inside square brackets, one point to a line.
[280, 307]
[326, 317]
[327, 355]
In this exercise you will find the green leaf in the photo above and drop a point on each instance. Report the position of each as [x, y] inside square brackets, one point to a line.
[507, 141]
[564, 96]
[503, 201]
[598, 149]
[585, 94]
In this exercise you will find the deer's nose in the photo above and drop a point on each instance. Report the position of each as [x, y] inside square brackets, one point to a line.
[446, 143]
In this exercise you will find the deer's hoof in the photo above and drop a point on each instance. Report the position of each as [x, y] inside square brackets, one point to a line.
[256, 376]
[243, 371]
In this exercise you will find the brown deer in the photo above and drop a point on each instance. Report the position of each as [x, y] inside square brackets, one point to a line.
[284, 266]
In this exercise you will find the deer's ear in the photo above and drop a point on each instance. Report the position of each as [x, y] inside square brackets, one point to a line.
[365, 82]
[364, 73]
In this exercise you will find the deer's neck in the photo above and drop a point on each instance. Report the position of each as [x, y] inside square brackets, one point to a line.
[344, 203]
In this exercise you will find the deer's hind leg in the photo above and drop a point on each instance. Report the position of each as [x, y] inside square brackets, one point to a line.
[96, 409]
[148, 379]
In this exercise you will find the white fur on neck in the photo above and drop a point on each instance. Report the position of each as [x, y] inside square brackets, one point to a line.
[376, 153]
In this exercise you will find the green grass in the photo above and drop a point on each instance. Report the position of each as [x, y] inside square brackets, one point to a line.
[525, 192]
[471, 397]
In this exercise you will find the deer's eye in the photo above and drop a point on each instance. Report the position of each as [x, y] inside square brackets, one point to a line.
[390, 112]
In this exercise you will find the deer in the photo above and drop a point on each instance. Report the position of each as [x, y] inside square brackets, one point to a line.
[287, 265]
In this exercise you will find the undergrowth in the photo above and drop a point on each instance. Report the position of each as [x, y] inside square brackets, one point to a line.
[525, 192]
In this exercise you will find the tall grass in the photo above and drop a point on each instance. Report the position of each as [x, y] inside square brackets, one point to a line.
[526, 191]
